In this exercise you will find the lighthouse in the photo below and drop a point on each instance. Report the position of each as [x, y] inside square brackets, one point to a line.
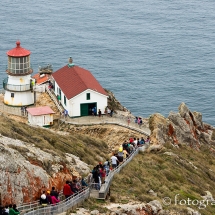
[18, 85]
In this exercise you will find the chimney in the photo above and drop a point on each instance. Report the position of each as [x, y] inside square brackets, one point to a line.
[70, 64]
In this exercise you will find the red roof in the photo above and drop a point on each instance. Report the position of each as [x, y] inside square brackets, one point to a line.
[74, 80]
[18, 51]
[37, 111]
[40, 79]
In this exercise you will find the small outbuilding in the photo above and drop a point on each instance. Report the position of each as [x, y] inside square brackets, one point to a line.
[42, 116]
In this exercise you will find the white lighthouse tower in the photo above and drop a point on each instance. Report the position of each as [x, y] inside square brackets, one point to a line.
[18, 85]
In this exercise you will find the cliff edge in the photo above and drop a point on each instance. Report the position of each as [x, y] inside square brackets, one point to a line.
[184, 127]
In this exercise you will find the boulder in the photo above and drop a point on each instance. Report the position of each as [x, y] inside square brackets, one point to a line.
[95, 212]
[208, 197]
[181, 131]
[158, 125]
[155, 206]
[152, 192]
[190, 211]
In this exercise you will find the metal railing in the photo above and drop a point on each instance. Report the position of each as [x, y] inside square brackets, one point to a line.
[124, 118]
[61, 206]
[45, 69]
[28, 206]
[106, 186]
[35, 204]
[36, 209]
[16, 88]
[54, 99]
[121, 121]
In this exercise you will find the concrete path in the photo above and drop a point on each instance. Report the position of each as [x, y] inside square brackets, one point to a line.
[115, 120]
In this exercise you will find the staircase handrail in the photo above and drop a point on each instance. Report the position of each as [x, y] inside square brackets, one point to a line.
[34, 204]
[83, 194]
[53, 98]
[105, 187]
[61, 206]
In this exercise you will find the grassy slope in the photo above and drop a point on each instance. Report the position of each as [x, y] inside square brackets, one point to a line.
[89, 150]
[167, 176]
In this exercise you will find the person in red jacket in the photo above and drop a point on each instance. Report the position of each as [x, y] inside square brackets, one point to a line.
[102, 174]
[54, 200]
[67, 192]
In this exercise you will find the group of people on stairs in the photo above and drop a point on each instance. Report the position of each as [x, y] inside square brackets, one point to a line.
[9, 210]
[70, 188]
[98, 174]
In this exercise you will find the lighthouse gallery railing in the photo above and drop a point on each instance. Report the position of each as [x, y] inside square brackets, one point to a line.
[16, 88]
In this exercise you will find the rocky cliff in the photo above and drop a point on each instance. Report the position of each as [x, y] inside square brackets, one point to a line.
[35, 159]
[26, 170]
[113, 103]
[184, 127]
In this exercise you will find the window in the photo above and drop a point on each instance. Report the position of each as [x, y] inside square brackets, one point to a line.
[88, 96]
[65, 100]
[19, 65]
[12, 95]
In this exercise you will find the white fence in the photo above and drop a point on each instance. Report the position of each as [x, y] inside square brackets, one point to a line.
[35, 204]
[61, 206]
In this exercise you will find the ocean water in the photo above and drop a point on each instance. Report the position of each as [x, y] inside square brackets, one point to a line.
[152, 54]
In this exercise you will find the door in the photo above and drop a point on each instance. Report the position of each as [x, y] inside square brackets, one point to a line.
[92, 106]
[84, 109]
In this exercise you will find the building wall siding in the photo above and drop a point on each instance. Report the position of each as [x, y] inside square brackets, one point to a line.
[95, 97]
[42, 120]
[73, 105]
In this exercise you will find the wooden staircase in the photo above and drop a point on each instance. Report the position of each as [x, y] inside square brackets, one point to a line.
[54, 99]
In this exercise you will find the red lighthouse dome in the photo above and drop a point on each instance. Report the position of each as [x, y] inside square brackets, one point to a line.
[18, 51]
[19, 61]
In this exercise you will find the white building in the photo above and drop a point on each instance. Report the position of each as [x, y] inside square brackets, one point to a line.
[41, 81]
[42, 116]
[18, 85]
[78, 90]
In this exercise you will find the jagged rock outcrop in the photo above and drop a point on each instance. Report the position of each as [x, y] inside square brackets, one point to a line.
[26, 170]
[113, 103]
[184, 127]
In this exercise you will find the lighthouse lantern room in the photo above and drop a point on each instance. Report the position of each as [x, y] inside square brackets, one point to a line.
[19, 84]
